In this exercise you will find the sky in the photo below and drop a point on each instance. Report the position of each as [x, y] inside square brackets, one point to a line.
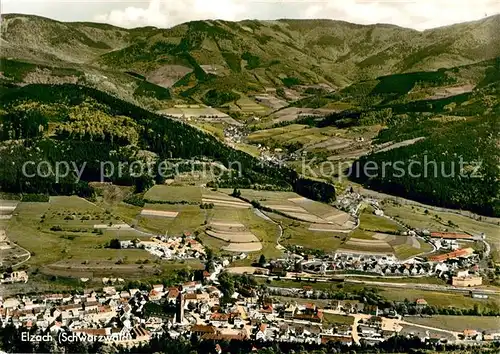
[417, 14]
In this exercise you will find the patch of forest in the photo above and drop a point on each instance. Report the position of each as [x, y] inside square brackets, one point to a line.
[456, 166]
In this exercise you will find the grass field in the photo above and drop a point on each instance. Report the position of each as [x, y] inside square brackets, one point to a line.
[405, 251]
[213, 243]
[223, 200]
[127, 212]
[136, 267]
[419, 280]
[249, 106]
[296, 233]
[275, 132]
[33, 231]
[440, 299]
[364, 241]
[368, 246]
[249, 149]
[76, 250]
[374, 228]
[371, 222]
[362, 234]
[217, 129]
[331, 320]
[434, 298]
[423, 332]
[322, 217]
[252, 194]
[286, 283]
[417, 217]
[292, 134]
[190, 218]
[174, 194]
[458, 323]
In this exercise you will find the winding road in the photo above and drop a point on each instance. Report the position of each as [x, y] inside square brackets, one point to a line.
[260, 214]
[23, 261]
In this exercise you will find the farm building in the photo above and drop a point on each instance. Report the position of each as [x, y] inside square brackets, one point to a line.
[463, 252]
[466, 281]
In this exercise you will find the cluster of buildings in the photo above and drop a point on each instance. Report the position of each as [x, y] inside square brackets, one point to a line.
[129, 317]
[233, 134]
[185, 247]
[349, 201]
[445, 266]
[109, 316]
[14, 277]
[133, 316]
[476, 335]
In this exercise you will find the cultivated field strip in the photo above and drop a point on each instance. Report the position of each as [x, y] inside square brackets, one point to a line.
[331, 228]
[226, 203]
[243, 247]
[285, 208]
[113, 227]
[368, 245]
[166, 214]
[234, 237]
[306, 217]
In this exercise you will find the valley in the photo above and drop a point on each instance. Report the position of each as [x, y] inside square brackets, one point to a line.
[249, 176]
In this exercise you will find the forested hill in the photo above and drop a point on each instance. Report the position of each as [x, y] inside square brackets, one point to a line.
[455, 164]
[443, 117]
[83, 125]
[455, 161]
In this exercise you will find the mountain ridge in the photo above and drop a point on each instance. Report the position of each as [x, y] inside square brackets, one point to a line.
[337, 53]
[15, 14]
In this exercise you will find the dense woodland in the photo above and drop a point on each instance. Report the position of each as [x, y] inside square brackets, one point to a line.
[86, 126]
[430, 170]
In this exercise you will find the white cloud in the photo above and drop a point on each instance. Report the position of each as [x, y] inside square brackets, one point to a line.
[419, 14]
[167, 13]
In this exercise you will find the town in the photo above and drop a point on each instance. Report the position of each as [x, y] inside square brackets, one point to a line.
[250, 177]
[212, 307]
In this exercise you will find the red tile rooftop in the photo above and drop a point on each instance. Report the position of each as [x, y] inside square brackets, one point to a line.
[219, 317]
[455, 254]
[92, 331]
[203, 329]
[451, 235]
